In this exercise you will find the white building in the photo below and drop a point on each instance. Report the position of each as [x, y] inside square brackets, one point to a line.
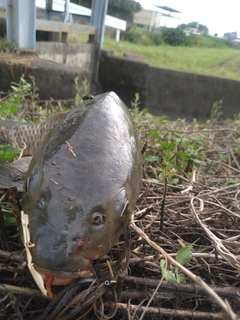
[148, 19]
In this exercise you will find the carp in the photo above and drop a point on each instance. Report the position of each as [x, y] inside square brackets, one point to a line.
[83, 176]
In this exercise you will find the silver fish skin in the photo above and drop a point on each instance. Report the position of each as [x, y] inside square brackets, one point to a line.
[87, 168]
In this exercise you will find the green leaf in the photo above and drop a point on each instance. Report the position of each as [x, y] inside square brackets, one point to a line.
[162, 264]
[181, 278]
[185, 142]
[152, 181]
[169, 276]
[196, 161]
[151, 158]
[161, 176]
[7, 153]
[184, 255]
[173, 181]
[153, 133]
[167, 145]
[9, 219]
[181, 154]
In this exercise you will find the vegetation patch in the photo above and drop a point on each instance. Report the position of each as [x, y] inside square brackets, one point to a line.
[207, 61]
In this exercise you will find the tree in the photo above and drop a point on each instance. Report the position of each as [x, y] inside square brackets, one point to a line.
[173, 36]
[200, 27]
[122, 9]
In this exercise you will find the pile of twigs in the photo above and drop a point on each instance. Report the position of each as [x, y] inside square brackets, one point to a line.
[201, 210]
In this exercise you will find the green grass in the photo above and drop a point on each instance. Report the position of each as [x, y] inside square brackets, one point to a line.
[221, 62]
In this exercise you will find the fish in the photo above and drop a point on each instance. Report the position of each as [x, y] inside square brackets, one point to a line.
[84, 175]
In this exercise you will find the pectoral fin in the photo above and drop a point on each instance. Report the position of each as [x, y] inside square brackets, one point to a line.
[12, 174]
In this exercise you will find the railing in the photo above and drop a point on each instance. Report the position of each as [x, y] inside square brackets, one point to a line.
[54, 26]
[58, 5]
[21, 20]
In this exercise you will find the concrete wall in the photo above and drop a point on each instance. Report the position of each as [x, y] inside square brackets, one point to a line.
[54, 66]
[81, 55]
[54, 80]
[124, 76]
[175, 94]
[162, 91]
[83, 59]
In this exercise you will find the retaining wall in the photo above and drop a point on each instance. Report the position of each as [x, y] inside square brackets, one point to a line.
[162, 91]
[54, 80]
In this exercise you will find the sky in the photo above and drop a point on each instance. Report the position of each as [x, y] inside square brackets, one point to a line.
[220, 16]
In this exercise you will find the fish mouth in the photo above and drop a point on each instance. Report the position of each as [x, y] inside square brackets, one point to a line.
[60, 278]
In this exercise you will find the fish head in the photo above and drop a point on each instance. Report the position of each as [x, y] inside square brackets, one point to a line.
[68, 230]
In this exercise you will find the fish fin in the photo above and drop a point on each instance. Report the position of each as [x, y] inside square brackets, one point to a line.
[55, 118]
[12, 174]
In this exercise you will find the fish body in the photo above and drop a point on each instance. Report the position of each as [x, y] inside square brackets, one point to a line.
[82, 176]
[27, 136]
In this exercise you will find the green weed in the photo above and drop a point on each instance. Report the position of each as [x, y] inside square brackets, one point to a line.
[22, 102]
[7, 153]
[81, 89]
[183, 257]
[8, 215]
[216, 112]
[175, 154]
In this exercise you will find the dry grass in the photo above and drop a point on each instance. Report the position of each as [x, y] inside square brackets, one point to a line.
[196, 201]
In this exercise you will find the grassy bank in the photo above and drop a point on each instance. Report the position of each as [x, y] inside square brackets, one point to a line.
[220, 62]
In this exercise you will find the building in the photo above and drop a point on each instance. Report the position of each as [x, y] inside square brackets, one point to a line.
[154, 16]
[148, 19]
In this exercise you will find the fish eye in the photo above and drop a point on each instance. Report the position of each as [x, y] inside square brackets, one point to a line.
[31, 182]
[121, 200]
[40, 203]
[98, 220]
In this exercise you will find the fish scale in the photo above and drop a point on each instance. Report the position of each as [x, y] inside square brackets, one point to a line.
[27, 136]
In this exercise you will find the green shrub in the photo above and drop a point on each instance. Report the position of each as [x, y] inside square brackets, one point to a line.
[7, 46]
[136, 35]
[156, 38]
[194, 40]
[174, 36]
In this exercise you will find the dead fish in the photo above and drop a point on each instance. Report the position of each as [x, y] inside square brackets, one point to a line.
[85, 171]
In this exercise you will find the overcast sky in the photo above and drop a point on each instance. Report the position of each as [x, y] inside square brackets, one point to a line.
[218, 15]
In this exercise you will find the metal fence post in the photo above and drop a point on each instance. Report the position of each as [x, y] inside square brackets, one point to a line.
[21, 23]
[99, 11]
[48, 10]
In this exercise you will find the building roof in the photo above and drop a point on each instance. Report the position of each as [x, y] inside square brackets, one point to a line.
[168, 9]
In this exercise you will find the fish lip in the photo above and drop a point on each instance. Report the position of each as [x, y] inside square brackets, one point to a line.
[63, 274]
